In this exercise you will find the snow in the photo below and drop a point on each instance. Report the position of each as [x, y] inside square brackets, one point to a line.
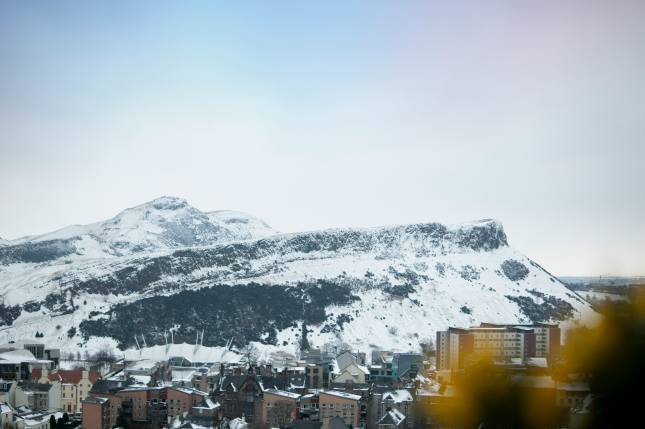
[191, 352]
[290, 395]
[341, 394]
[160, 224]
[378, 319]
[397, 396]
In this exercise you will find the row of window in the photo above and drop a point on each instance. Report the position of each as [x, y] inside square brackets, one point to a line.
[346, 406]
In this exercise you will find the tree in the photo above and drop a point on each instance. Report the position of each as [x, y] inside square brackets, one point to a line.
[52, 422]
[251, 353]
[103, 356]
[304, 342]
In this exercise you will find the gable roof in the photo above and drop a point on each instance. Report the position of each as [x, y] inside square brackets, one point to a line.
[392, 417]
[34, 387]
[397, 396]
[65, 376]
[341, 394]
[337, 423]
[345, 359]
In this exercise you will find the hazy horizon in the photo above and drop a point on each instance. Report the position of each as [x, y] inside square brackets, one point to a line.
[338, 114]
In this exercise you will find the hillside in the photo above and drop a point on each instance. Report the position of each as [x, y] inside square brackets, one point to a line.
[166, 266]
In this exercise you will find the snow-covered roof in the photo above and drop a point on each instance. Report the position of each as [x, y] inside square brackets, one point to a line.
[183, 374]
[17, 356]
[398, 396]
[189, 351]
[393, 417]
[283, 393]
[142, 365]
[207, 404]
[341, 394]
[238, 423]
[189, 390]
[142, 379]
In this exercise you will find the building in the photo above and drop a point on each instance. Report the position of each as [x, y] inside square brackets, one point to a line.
[309, 407]
[38, 396]
[8, 391]
[279, 408]
[353, 373]
[571, 395]
[34, 420]
[381, 368]
[75, 385]
[183, 400]
[206, 412]
[547, 338]
[6, 415]
[344, 405]
[96, 413]
[18, 363]
[392, 419]
[317, 375]
[148, 372]
[36, 349]
[406, 366]
[498, 342]
[400, 400]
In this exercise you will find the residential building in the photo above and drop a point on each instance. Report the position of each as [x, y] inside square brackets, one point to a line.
[8, 391]
[96, 413]
[34, 420]
[392, 419]
[38, 396]
[381, 368]
[279, 408]
[75, 385]
[352, 373]
[309, 407]
[183, 399]
[498, 342]
[344, 405]
[400, 400]
[406, 366]
[317, 375]
[6, 415]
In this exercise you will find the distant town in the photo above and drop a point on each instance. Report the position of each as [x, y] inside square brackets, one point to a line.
[189, 386]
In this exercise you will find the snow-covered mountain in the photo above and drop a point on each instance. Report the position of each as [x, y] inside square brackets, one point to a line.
[166, 266]
[162, 224]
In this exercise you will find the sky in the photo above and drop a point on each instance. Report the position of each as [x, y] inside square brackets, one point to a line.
[334, 114]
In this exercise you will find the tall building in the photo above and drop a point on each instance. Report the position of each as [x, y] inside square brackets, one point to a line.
[499, 342]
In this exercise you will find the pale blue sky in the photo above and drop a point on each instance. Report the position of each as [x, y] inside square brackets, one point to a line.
[314, 115]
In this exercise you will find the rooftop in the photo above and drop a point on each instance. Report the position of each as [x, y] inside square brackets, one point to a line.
[341, 394]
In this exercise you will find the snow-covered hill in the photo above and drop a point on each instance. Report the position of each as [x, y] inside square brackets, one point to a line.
[162, 224]
[230, 276]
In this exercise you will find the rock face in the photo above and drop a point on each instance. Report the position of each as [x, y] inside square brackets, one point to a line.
[166, 266]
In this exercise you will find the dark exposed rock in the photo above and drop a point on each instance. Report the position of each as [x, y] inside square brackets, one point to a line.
[9, 313]
[551, 307]
[41, 251]
[514, 270]
[469, 273]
